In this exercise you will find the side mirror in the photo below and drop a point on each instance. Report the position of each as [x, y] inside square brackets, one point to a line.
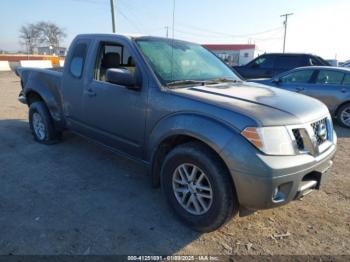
[276, 80]
[121, 77]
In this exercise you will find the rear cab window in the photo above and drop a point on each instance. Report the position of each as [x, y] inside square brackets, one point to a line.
[77, 62]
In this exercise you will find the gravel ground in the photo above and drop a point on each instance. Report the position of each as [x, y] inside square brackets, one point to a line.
[78, 198]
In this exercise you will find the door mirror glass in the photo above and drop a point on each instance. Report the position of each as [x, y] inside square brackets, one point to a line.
[121, 77]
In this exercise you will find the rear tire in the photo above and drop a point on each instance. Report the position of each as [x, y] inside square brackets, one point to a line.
[343, 115]
[41, 124]
[209, 185]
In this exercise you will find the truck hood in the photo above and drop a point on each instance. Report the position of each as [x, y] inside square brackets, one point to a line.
[268, 106]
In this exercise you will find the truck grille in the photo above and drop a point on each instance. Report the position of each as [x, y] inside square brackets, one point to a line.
[298, 139]
[320, 131]
[310, 138]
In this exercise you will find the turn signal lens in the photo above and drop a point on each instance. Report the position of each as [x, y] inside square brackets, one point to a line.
[251, 133]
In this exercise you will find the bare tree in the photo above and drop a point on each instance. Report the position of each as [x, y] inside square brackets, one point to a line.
[29, 37]
[50, 34]
[41, 33]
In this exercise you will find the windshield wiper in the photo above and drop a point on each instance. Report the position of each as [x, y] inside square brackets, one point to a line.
[202, 82]
[222, 80]
[184, 82]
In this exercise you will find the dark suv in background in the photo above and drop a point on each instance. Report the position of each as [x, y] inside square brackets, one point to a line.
[269, 65]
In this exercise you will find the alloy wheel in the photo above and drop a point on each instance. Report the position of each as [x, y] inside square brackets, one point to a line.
[192, 189]
[345, 116]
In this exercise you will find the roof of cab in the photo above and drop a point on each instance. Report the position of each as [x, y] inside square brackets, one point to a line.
[128, 36]
[99, 35]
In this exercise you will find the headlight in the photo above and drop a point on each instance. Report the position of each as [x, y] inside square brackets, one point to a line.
[274, 140]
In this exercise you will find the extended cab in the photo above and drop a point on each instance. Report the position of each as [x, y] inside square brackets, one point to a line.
[216, 144]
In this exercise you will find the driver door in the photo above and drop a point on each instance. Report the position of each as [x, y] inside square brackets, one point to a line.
[115, 114]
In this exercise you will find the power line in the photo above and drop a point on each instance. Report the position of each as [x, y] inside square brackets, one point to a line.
[285, 29]
[207, 36]
[186, 29]
[90, 2]
[130, 22]
[231, 35]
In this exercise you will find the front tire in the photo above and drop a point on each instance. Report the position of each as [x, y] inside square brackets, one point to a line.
[343, 115]
[198, 187]
[41, 124]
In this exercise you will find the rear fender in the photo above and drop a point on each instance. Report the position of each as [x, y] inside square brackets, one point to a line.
[47, 86]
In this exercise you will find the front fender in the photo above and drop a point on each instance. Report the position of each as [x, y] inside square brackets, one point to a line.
[214, 133]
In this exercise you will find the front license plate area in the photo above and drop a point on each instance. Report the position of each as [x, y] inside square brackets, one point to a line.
[324, 175]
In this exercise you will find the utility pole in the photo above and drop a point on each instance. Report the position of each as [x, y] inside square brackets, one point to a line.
[113, 15]
[285, 29]
[167, 31]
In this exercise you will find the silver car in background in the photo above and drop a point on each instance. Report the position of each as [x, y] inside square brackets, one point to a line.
[331, 85]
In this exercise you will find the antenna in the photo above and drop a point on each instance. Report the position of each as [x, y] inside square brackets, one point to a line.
[172, 43]
[167, 31]
[174, 5]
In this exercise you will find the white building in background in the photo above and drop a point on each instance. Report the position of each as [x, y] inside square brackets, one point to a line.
[49, 50]
[234, 54]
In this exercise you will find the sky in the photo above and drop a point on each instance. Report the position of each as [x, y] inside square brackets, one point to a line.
[316, 26]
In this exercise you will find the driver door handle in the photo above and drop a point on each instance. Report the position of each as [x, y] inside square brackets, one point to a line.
[90, 92]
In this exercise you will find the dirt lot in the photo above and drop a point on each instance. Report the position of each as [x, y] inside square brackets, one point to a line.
[78, 198]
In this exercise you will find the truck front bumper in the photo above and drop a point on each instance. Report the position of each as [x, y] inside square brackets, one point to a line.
[271, 181]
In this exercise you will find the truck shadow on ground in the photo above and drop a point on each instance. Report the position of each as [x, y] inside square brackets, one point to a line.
[341, 131]
[78, 198]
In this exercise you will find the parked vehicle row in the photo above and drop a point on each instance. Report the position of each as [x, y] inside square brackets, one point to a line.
[216, 144]
[331, 85]
[269, 65]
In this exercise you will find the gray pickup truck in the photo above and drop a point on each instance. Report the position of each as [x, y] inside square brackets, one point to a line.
[215, 144]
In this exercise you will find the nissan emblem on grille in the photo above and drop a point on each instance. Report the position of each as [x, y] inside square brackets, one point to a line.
[322, 131]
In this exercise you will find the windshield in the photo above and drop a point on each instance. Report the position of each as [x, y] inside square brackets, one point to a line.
[184, 62]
